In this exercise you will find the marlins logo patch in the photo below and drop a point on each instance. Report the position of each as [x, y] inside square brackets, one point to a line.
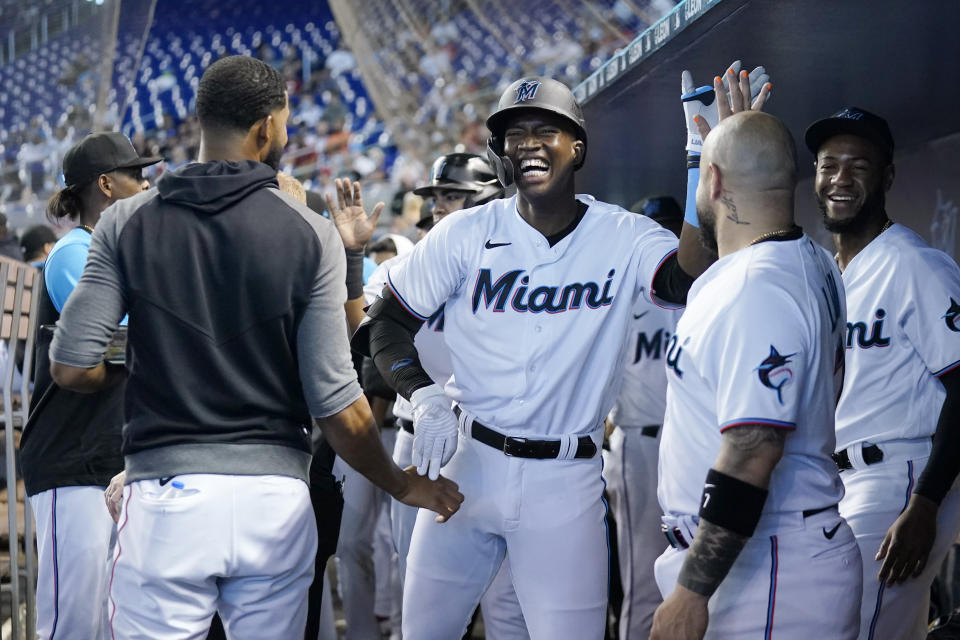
[774, 372]
[950, 317]
[527, 90]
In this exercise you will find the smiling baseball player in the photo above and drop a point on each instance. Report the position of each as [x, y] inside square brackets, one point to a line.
[457, 181]
[753, 375]
[898, 446]
[538, 291]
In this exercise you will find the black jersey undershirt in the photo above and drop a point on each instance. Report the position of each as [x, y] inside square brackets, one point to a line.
[563, 233]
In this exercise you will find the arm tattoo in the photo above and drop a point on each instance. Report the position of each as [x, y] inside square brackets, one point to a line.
[713, 552]
[750, 436]
[727, 200]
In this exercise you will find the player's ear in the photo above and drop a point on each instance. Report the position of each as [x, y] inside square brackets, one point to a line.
[888, 174]
[105, 185]
[715, 181]
[579, 151]
[264, 131]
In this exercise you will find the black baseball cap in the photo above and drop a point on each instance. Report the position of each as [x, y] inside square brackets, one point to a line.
[100, 153]
[852, 120]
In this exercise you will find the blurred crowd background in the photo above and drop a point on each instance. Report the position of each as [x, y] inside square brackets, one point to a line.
[378, 88]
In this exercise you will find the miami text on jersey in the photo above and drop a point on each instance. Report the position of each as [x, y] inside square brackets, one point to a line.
[859, 329]
[652, 347]
[552, 299]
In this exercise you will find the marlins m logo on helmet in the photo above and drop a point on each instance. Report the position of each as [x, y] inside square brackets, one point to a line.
[527, 90]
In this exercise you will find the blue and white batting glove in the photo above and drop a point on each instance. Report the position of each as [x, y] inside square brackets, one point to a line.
[700, 101]
[435, 430]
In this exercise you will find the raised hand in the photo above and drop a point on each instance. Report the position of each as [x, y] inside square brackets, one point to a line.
[356, 227]
[705, 106]
[737, 91]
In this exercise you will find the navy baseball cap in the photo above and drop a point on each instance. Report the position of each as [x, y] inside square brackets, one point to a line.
[852, 120]
[100, 153]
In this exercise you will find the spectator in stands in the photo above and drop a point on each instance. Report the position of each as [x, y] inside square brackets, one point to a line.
[334, 113]
[9, 245]
[308, 113]
[32, 156]
[71, 445]
[36, 243]
[10, 183]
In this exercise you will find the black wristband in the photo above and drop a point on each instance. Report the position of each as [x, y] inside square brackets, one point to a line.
[731, 503]
[354, 273]
[693, 160]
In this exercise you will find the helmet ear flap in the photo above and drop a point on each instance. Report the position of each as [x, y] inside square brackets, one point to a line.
[501, 164]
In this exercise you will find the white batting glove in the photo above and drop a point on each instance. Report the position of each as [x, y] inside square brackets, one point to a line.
[435, 430]
[700, 101]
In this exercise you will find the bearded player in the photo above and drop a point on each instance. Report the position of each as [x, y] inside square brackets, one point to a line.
[898, 445]
[747, 486]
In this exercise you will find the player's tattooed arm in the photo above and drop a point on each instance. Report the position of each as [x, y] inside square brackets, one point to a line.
[747, 458]
[710, 557]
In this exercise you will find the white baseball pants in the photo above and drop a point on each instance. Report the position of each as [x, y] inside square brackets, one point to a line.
[502, 617]
[547, 515]
[241, 545]
[357, 574]
[790, 582]
[630, 472]
[875, 496]
[75, 540]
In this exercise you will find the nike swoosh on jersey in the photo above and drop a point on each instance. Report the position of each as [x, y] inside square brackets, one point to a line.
[637, 317]
[829, 534]
[494, 245]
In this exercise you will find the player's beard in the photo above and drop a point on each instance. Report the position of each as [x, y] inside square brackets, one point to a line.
[273, 156]
[873, 206]
[708, 230]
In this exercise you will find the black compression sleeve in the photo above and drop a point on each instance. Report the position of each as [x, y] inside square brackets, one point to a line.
[391, 329]
[944, 462]
[671, 283]
[354, 273]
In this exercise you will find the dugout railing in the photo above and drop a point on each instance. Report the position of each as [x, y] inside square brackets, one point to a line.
[19, 301]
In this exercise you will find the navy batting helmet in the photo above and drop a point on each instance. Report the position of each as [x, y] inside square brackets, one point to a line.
[463, 172]
[535, 92]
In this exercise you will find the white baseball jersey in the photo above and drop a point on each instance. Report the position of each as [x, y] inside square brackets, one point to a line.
[535, 332]
[759, 343]
[643, 397]
[903, 324]
[431, 348]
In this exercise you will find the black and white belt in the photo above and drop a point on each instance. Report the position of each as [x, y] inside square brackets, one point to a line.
[872, 454]
[526, 447]
[406, 425]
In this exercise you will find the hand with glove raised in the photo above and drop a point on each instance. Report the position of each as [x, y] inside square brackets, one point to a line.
[435, 430]
[703, 110]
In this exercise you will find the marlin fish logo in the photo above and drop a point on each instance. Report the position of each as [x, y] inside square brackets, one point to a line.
[774, 372]
[527, 90]
[950, 317]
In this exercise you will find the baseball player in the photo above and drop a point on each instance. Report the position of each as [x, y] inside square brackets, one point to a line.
[754, 369]
[630, 466]
[537, 292]
[71, 444]
[457, 181]
[231, 352]
[898, 446]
